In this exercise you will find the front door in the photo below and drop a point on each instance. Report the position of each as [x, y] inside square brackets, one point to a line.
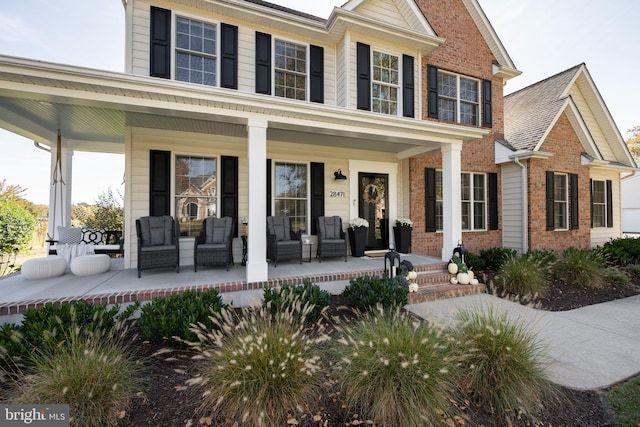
[372, 206]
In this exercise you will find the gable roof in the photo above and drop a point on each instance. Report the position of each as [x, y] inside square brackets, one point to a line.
[531, 113]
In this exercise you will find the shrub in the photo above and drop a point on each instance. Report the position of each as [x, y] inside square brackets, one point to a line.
[495, 257]
[92, 372]
[258, 367]
[48, 326]
[365, 293]
[523, 275]
[622, 251]
[285, 298]
[503, 368]
[580, 267]
[394, 370]
[545, 256]
[474, 262]
[165, 318]
[17, 225]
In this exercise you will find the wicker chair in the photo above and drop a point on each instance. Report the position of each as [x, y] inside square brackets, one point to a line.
[158, 245]
[282, 242]
[331, 239]
[214, 244]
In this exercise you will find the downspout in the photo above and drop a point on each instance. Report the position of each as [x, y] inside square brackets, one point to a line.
[40, 146]
[525, 205]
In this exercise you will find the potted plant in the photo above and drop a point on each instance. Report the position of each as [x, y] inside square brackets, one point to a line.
[358, 236]
[402, 234]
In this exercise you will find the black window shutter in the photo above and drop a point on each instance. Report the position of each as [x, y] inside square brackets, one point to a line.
[263, 63]
[432, 91]
[159, 182]
[430, 199]
[407, 86]
[487, 116]
[573, 199]
[363, 71]
[229, 189]
[229, 56]
[493, 200]
[268, 189]
[550, 200]
[160, 51]
[316, 74]
[317, 194]
[609, 203]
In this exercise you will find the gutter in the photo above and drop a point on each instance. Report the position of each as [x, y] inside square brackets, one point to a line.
[525, 205]
[42, 147]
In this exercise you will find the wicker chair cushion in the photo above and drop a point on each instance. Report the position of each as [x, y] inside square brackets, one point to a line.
[330, 227]
[158, 248]
[212, 246]
[156, 230]
[218, 230]
[280, 227]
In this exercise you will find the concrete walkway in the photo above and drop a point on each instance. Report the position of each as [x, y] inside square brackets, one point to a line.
[589, 348]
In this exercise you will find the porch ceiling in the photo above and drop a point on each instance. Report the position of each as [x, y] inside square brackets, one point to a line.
[92, 110]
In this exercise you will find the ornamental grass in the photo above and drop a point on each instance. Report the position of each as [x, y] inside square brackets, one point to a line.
[523, 275]
[394, 370]
[503, 364]
[259, 368]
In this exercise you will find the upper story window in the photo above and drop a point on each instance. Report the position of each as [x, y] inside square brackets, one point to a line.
[196, 55]
[384, 84]
[196, 189]
[458, 99]
[291, 196]
[290, 70]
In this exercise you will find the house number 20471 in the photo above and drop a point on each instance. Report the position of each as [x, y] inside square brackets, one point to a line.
[336, 194]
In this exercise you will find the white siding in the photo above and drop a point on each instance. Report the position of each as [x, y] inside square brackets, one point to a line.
[601, 235]
[144, 140]
[512, 221]
[141, 38]
[383, 10]
[592, 124]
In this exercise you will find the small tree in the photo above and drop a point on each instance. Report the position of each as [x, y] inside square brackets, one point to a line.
[17, 225]
[107, 212]
[634, 142]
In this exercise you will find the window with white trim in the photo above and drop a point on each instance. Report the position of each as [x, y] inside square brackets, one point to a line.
[291, 195]
[599, 203]
[196, 191]
[560, 201]
[473, 195]
[385, 83]
[290, 70]
[196, 51]
[458, 99]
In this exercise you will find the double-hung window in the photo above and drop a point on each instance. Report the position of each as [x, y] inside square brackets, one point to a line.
[291, 195]
[385, 83]
[290, 70]
[560, 202]
[474, 201]
[196, 53]
[458, 99]
[599, 203]
[196, 190]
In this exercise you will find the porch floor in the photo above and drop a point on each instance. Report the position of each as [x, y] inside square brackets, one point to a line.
[121, 285]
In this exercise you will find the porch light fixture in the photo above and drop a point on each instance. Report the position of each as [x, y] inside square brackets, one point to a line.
[338, 175]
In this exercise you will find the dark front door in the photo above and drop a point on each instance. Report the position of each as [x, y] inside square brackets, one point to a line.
[372, 206]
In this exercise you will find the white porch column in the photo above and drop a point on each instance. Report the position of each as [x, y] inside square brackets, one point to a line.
[60, 188]
[451, 201]
[257, 268]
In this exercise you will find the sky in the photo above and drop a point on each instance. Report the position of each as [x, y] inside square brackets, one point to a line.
[542, 37]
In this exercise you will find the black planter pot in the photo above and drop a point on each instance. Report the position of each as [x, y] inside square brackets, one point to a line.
[358, 241]
[402, 236]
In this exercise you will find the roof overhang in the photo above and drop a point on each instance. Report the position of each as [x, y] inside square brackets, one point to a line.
[93, 109]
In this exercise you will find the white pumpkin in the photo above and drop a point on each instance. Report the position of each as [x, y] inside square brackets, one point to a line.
[412, 275]
[471, 275]
[453, 268]
[453, 280]
[413, 287]
[474, 282]
[463, 278]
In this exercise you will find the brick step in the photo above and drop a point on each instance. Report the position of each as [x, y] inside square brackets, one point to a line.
[432, 292]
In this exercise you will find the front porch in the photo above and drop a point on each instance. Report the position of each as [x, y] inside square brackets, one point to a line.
[122, 286]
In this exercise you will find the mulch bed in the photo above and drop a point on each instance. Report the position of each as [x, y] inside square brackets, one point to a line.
[169, 403]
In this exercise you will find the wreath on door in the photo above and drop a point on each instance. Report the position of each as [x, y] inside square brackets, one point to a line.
[373, 192]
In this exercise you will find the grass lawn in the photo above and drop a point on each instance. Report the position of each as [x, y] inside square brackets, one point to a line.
[625, 401]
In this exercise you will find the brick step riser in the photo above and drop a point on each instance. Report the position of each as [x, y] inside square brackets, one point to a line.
[435, 292]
